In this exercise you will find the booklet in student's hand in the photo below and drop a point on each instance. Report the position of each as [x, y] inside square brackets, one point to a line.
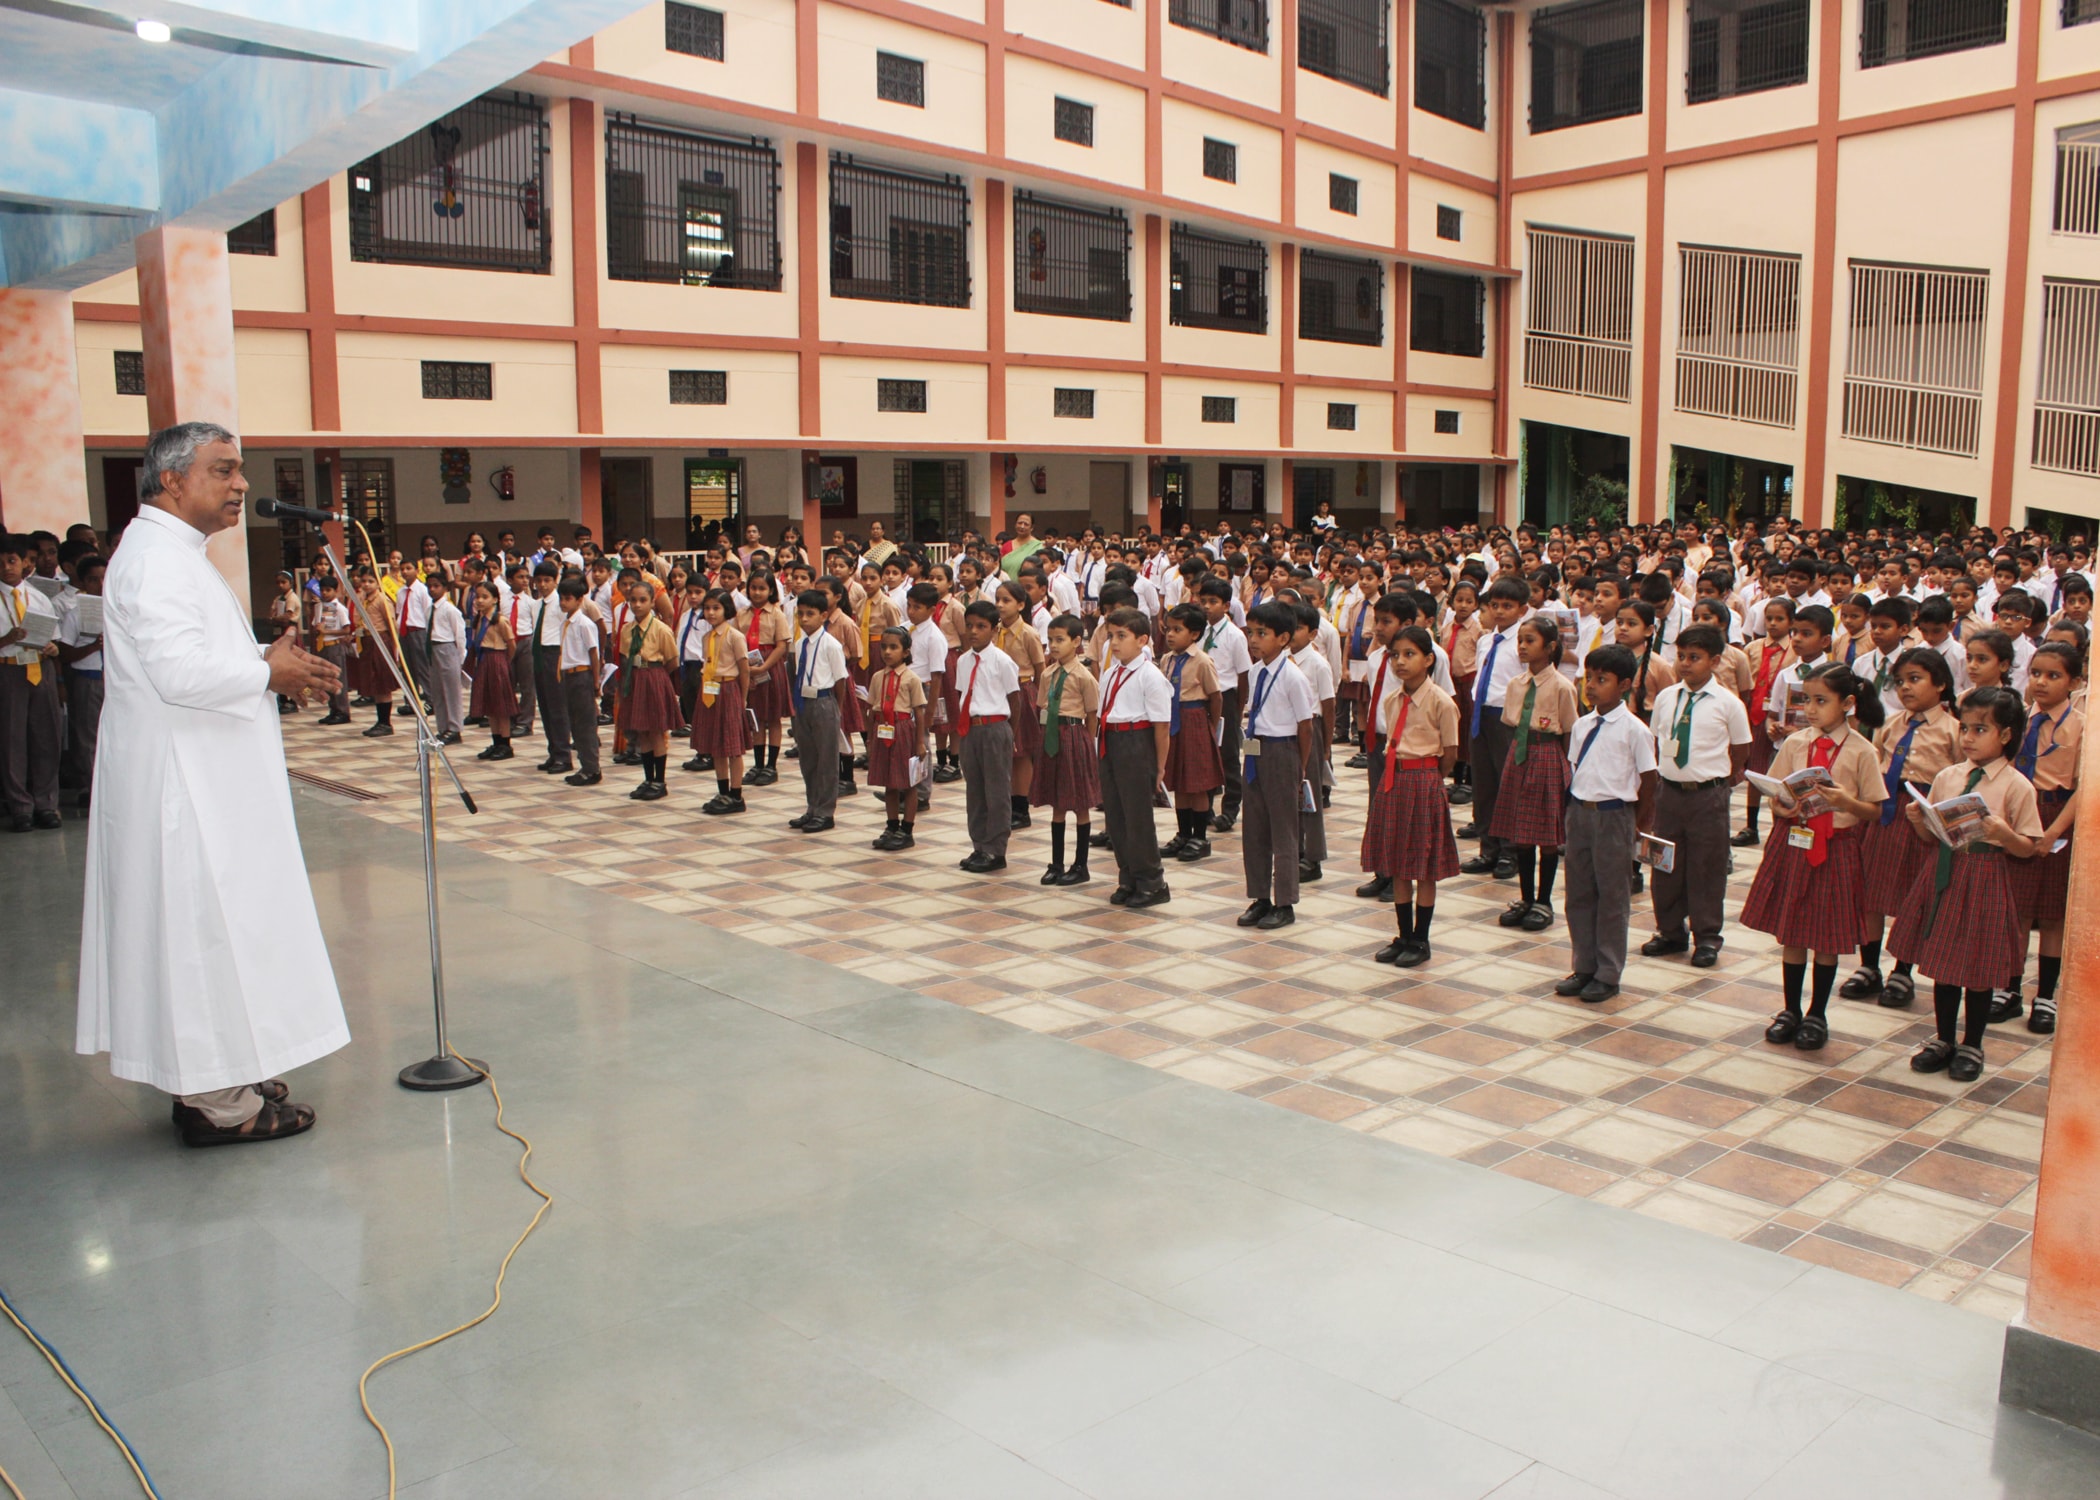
[1797, 795]
[1795, 714]
[1659, 853]
[1954, 822]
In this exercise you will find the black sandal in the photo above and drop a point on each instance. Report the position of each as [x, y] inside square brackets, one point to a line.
[1782, 1027]
[1967, 1066]
[1897, 991]
[1865, 984]
[275, 1121]
[1813, 1032]
[1933, 1057]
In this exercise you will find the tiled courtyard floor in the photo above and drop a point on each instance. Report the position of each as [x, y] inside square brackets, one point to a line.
[1666, 1100]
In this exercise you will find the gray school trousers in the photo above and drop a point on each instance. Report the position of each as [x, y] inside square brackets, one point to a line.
[29, 739]
[579, 696]
[337, 656]
[1597, 887]
[1270, 830]
[987, 757]
[83, 723]
[1696, 821]
[1229, 748]
[554, 704]
[817, 738]
[528, 686]
[445, 685]
[1129, 773]
[1490, 750]
[415, 652]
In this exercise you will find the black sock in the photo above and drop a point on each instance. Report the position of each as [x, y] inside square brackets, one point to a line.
[1752, 825]
[1819, 1000]
[1423, 914]
[2045, 981]
[1404, 913]
[386, 710]
[722, 786]
[1870, 956]
[1527, 874]
[1946, 1010]
[1549, 866]
[845, 765]
[1057, 842]
[1790, 977]
[1082, 830]
[1019, 805]
[1976, 1014]
[1901, 970]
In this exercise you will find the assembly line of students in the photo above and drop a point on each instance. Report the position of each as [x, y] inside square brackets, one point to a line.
[1595, 702]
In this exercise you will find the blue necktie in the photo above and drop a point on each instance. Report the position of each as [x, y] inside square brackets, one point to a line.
[1587, 741]
[2024, 761]
[1251, 771]
[801, 671]
[1890, 806]
[1174, 709]
[1487, 681]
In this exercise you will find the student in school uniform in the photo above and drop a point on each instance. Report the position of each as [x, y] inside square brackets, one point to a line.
[1225, 643]
[1068, 771]
[1810, 890]
[930, 663]
[947, 617]
[368, 675]
[987, 700]
[1194, 770]
[80, 653]
[1703, 739]
[767, 631]
[1770, 655]
[852, 719]
[1386, 624]
[31, 726]
[1351, 617]
[1462, 628]
[816, 676]
[447, 645]
[1496, 653]
[1934, 623]
[1277, 746]
[1539, 709]
[1319, 775]
[579, 663]
[1887, 638]
[1407, 844]
[1961, 925]
[412, 629]
[2047, 756]
[898, 735]
[691, 634]
[1638, 630]
[520, 610]
[1018, 639]
[722, 686]
[1137, 711]
[494, 699]
[1611, 786]
[873, 614]
[646, 689]
[333, 633]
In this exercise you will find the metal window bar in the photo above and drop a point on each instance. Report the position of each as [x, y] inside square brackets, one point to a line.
[1072, 121]
[1914, 357]
[1244, 23]
[900, 80]
[1345, 40]
[1341, 416]
[1447, 314]
[256, 237]
[1221, 408]
[1341, 193]
[1221, 160]
[1071, 260]
[682, 207]
[900, 395]
[1733, 48]
[1450, 222]
[1312, 487]
[1218, 283]
[1579, 314]
[699, 387]
[1585, 63]
[457, 380]
[1072, 401]
[1738, 333]
[1446, 421]
[468, 190]
[2067, 389]
[2077, 207]
[2078, 12]
[898, 236]
[1451, 61]
[692, 30]
[1341, 299]
[1893, 31]
[129, 366]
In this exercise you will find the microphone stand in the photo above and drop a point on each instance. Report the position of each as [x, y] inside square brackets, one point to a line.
[442, 1070]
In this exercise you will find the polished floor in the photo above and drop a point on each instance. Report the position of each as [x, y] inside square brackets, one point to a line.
[818, 1236]
[1667, 1100]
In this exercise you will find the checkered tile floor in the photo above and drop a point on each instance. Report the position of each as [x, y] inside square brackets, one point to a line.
[1666, 1100]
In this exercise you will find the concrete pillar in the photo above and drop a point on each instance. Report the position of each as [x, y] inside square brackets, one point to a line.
[590, 493]
[186, 322]
[997, 503]
[43, 465]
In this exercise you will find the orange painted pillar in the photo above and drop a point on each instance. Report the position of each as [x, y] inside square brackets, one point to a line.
[43, 466]
[590, 493]
[995, 519]
[186, 323]
[2052, 1355]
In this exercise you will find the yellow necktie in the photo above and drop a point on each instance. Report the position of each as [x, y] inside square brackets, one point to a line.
[35, 665]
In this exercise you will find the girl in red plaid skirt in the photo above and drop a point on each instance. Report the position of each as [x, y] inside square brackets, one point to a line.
[1531, 811]
[1407, 832]
[2048, 756]
[1810, 892]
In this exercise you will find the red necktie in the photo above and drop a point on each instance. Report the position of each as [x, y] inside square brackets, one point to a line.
[969, 696]
[1823, 824]
[1114, 687]
[1378, 686]
[1392, 741]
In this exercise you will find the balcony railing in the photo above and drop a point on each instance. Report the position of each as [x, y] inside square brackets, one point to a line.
[1578, 367]
[1894, 31]
[1345, 40]
[1244, 23]
[2067, 391]
[467, 190]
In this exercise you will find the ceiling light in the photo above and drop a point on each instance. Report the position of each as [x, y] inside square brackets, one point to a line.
[155, 31]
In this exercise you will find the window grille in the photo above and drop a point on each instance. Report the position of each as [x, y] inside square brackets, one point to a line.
[1311, 488]
[1894, 31]
[699, 387]
[1341, 416]
[256, 237]
[1071, 260]
[1451, 61]
[693, 30]
[1073, 121]
[1447, 314]
[1071, 401]
[683, 207]
[1221, 160]
[1221, 408]
[1345, 40]
[1244, 23]
[131, 372]
[1341, 300]
[2078, 12]
[1341, 193]
[2067, 391]
[456, 380]
[468, 190]
[898, 236]
[1446, 421]
[2077, 207]
[1585, 63]
[1914, 359]
[1217, 282]
[900, 80]
[1738, 329]
[1578, 334]
[900, 395]
[1735, 48]
[1450, 222]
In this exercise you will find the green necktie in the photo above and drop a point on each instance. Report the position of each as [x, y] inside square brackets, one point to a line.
[1881, 674]
[1943, 872]
[1056, 701]
[1531, 698]
[1684, 730]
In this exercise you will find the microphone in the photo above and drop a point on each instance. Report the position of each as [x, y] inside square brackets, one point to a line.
[285, 510]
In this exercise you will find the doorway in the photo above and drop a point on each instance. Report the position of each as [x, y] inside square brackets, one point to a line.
[368, 497]
[624, 486]
[120, 495]
[1174, 484]
[1108, 497]
[934, 499]
[1309, 489]
[714, 499]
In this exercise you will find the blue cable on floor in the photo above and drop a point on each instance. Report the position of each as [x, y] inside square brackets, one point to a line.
[65, 1373]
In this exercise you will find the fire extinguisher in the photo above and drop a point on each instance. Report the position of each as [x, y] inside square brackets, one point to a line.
[504, 482]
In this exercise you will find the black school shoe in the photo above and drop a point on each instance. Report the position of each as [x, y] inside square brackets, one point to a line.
[814, 825]
[1705, 956]
[1308, 872]
[1255, 912]
[1097, 840]
[979, 864]
[2041, 1020]
[1194, 850]
[46, 818]
[1747, 839]
[1661, 947]
[1967, 1065]
[1864, 984]
[2007, 1005]
[1479, 864]
[1172, 848]
[1157, 895]
[1537, 917]
[1572, 986]
[1377, 888]
[1275, 917]
[1222, 823]
[584, 778]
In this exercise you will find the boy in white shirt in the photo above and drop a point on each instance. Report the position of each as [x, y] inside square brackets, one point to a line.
[1305, 655]
[332, 635]
[1226, 645]
[1613, 787]
[29, 706]
[1136, 711]
[817, 675]
[988, 688]
[448, 655]
[1277, 745]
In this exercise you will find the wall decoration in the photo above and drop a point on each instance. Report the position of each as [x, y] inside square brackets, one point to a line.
[456, 475]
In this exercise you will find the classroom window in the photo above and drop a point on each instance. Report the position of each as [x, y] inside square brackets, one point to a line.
[1446, 421]
[1451, 61]
[131, 372]
[1450, 222]
[1341, 416]
[1244, 23]
[900, 80]
[898, 236]
[1071, 260]
[1071, 401]
[699, 387]
[1073, 121]
[256, 237]
[1221, 160]
[2067, 390]
[1217, 282]
[1914, 356]
[1733, 48]
[468, 190]
[1341, 299]
[1221, 408]
[900, 395]
[1586, 62]
[1578, 331]
[1345, 40]
[1894, 31]
[1738, 324]
[1341, 193]
[457, 380]
[686, 207]
[693, 30]
[2078, 12]
[1447, 314]
[2077, 206]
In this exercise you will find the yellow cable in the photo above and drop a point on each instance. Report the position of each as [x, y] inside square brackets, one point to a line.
[546, 1202]
[85, 1400]
[12, 1488]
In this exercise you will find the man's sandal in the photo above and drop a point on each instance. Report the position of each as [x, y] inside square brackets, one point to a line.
[273, 1122]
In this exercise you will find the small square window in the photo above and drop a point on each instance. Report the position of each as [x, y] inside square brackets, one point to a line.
[456, 380]
[900, 80]
[1341, 193]
[1069, 401]
[256, 237]
[1075, 122]
[693, 30]
[699, 387]
[131, 372]
[1221, 408]
[900, 395]
[1448, 220]
[1221, 160]
[1447, 421]
[1341, 416]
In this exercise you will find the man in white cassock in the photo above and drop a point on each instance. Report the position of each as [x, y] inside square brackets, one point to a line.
[202, 968]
